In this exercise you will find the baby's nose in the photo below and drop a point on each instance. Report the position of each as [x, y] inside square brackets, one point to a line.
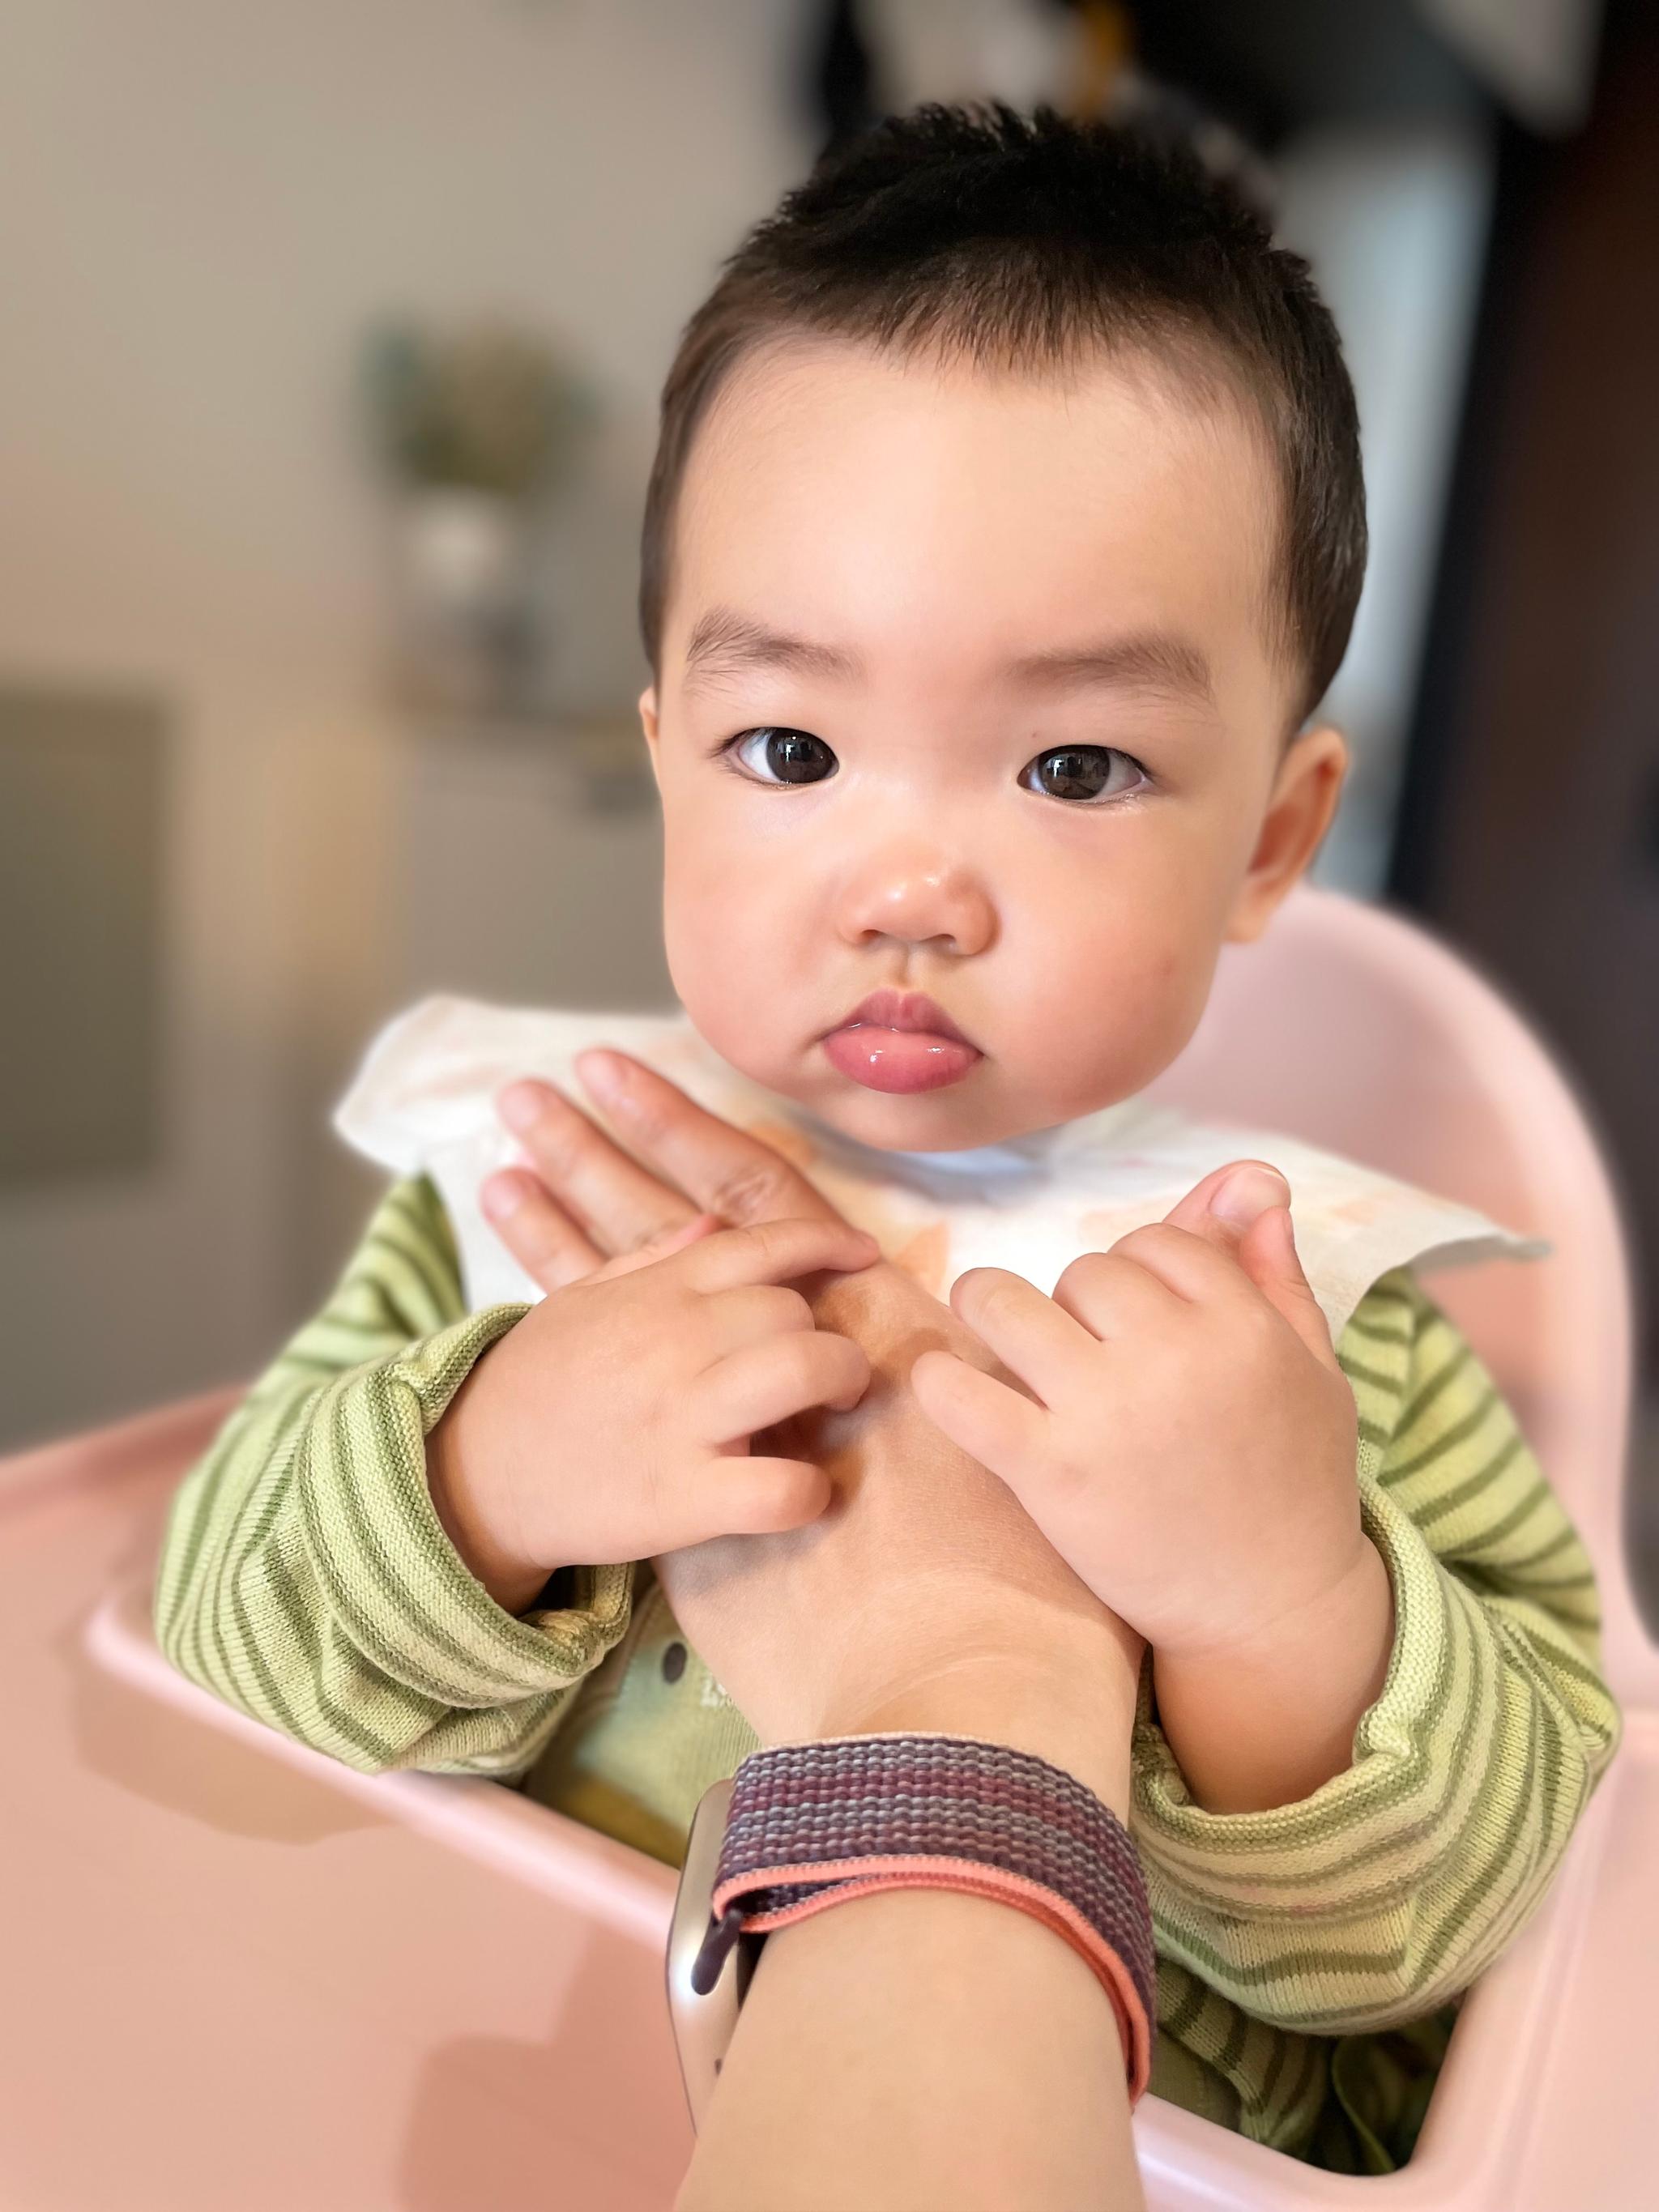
[917, 900]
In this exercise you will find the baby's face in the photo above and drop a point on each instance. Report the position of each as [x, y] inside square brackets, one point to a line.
[970, 737]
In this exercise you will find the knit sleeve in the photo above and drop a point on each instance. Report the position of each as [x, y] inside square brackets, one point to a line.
[1390, 1889]
[305, 1577]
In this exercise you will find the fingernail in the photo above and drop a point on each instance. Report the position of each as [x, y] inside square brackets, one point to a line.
[520, 1105]
[501, 1194]
[1247, 1192]
[604, 1074]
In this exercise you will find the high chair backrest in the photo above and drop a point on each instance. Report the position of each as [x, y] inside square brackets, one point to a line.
[1354, 1026]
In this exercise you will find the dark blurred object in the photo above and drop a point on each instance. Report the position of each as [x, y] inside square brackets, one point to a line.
[1265, 70]
[840, 92]
[1278, 65]
[1530, 830]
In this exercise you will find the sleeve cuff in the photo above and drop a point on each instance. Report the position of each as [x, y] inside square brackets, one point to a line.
[395, 1581]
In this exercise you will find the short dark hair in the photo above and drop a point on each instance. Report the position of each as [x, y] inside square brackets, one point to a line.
[1023, 242]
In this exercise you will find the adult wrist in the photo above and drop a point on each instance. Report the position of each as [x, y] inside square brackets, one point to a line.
[1073, 1706]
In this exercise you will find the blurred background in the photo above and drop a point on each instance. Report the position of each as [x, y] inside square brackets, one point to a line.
[329, 357]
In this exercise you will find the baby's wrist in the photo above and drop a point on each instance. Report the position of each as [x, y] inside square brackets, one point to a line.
[1300, 1623]
[472, 1521]
[1267, 1718]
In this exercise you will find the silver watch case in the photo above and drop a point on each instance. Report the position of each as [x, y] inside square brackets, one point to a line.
[704, 2025]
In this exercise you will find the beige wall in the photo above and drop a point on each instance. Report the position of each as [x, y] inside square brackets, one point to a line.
[202, 204]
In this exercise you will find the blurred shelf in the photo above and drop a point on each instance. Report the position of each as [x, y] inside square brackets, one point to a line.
[605, 755]
[528, 864]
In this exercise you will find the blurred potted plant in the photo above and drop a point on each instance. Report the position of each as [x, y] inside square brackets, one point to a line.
[474, 429]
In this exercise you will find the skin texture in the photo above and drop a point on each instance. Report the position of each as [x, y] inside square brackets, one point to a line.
[933, 533]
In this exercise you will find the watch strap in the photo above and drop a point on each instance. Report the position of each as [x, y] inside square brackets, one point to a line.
[813, 1824]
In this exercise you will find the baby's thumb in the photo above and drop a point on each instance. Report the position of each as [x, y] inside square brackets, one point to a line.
[1222, 1207]
[1254, 1204]
[1243, 1209]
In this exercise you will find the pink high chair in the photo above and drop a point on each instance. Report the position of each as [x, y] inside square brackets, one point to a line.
[239, 1974]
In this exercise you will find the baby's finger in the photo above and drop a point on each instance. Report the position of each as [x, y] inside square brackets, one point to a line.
[1195, 1267]
[776, 1252]
[754, 1314]
[665, 1247]
[725, 1169]
[1221, 1207]
[1268, 1255]
[619, 1203]
[982, 1416]
[1114, 1297]
[1028, 1333]
[766, 1384]
[538, 1233]
[744, 1496]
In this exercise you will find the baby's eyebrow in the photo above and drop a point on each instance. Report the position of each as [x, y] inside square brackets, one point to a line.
[723, 643]
[1154, 661]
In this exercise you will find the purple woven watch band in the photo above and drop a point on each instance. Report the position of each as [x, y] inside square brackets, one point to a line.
[852, 1812]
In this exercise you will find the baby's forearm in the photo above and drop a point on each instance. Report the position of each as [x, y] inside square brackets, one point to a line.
[1265, 1724]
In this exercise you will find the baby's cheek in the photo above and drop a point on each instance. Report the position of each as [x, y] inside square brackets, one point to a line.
[719, 883]
[701, 924]
[1110, 1019]
[1171, 990]
[727, 973]
[748, 942]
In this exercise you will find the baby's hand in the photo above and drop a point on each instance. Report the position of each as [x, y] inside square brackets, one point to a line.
[1188, 1443]
[613, 1422]
[1191, 1451]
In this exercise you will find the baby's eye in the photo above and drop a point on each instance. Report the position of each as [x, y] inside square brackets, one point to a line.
[775, 756]
[1082, 773]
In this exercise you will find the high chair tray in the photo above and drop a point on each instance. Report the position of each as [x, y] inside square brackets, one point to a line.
[240, 1974]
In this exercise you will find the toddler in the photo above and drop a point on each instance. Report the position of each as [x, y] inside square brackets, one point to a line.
[1005, 531]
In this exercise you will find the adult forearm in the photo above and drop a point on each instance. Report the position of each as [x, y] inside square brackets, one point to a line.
[913, 2050]
[916, 2049]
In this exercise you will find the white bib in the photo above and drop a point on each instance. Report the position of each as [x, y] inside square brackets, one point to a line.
[424, 1100]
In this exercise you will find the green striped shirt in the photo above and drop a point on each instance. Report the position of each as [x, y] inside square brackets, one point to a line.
[1308, 1955]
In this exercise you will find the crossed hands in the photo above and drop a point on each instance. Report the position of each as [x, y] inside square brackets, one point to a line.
[1164, 1450]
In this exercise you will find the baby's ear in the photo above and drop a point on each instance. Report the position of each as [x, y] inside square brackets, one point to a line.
[649, 724]
[648, 716]
[1304, 798]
